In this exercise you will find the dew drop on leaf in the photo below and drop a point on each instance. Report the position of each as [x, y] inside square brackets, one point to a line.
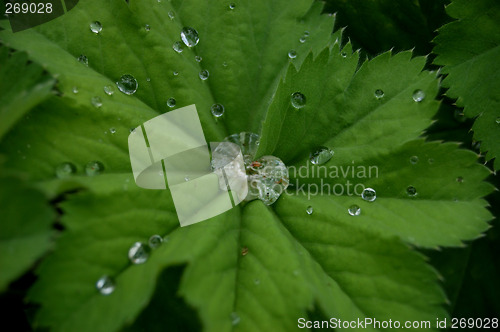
[178, 47]
[105, 285]
[83, 59]
[309, 210]
[94, 168]
[413, 160]
[189, 36]
[321, 155]
[460, 179]
[147, 27]
[411, 191]
[127, 84]
[235, 318]
[75, 90]
[171, 15]
[96, 27]
[217, 110]
[298, 100]
[112, 130]
[379, 93]
[109, 90]
[65, 170]
[292, 54]
[204, 74]
[354, 210]
[171, 102]
[96, 101]
[497, 120]
[306, 33]
[256, 281]
[155, 241]
[175, 73]
[302, 40]
[232, 5]
[369, 194]
[198, 58]
[418, 95]
[138, 253]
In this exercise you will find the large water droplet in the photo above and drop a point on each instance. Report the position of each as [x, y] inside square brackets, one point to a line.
[414, 159]
[267, 179]
[96, 27]
[369, 194]
[96, 101]
[65, 170]
[171, 102]
[94, 168]
[178, 47]
[235, 318]
[217, 110]
[411, 191]
[309, 210]
[138, 253]
[418, 95]
[298, 100]
[109, 90]
[105, 285]
[292, 54]
[204, 74]
[83, 59]
[247, 142]
[155, 241]
[321, 155]
[127, 84]
[189, 36]
[354, 210]
[379, 93]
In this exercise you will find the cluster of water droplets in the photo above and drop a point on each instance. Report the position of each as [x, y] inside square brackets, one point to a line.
[138, 253]
[67, 169]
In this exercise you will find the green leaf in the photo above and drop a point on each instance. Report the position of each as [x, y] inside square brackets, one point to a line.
[469, 49]
[23, 86]
[25, 230]
[254, 267]
[380, 25]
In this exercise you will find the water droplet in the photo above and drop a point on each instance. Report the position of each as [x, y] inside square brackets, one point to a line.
[302, 40]
[112, 130]
[430, 161]
[171, 15]
[75, 90]
[109, 90]
[244, 251]
[354, 210]
[96, 27]
[292, 54]
[155, 241]
[178, 47]
[418, 95]
[204, 74]
[148, 79]
[147, 27]
[235, 318]
[96, 101]
[321, 155]
[171, 102]
[306, 33]
[460, 179]
[105, 285]
[217, 110]
[127, 84]
[247, 143]
[379, 93]
[298, 100]
[413, 160]
[198, 58]
[83, 59]
[138, 253]
[224, 64]
[309, 210]
[189, 36]
[94, 168]
[411, 191]
[65, 170]
[256, 281]
[175, 73]
[186, 178]
[232, 6]
[343, 54]
[369, 194]
[497, 120]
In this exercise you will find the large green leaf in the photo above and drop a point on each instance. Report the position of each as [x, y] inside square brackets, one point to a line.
[469, 49]
[255, 267]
